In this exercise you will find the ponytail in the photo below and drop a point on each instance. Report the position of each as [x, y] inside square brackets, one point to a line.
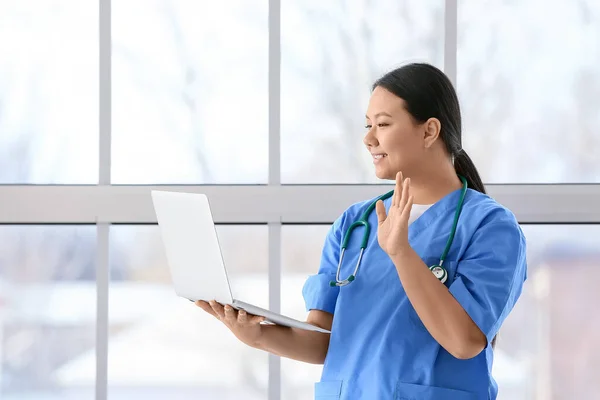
[465, 167]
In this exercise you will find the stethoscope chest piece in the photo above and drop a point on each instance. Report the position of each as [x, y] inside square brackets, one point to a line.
[439, 272]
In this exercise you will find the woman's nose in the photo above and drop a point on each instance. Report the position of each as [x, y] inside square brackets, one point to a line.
[370, 140]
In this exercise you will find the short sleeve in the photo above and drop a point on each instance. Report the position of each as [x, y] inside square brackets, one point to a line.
[317, 292]
[489, 279]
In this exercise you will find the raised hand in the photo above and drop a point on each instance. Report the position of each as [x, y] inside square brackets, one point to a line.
[392, 231]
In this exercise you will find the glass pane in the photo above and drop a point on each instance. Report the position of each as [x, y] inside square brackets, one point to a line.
[162, 346]
[301, 247]
[49, 92]
[190, 91]
[332, 51]
[528, 82]
[47, 312]
[547, 346]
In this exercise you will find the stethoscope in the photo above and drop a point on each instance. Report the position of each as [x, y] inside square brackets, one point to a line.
[438, 270]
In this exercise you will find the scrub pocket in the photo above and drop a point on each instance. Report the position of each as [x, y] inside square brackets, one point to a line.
[409, 391]
[330, 390]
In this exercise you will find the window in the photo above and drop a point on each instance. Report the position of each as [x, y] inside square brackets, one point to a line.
[332, 52]
[47, 311]
[189, 84]
[189, 92]
[528, 84]
[536, 355]
[163, 346]
[49, 92]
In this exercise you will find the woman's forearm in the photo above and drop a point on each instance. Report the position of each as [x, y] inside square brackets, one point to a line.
[294, 343]
[440, 312]
[298, 344]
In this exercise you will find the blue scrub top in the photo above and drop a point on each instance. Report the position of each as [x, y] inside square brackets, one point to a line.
[379, 348]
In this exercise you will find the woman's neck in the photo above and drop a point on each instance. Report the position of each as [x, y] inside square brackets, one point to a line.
[430, 188]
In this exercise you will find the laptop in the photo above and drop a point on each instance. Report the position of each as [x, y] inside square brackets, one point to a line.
[194, 255]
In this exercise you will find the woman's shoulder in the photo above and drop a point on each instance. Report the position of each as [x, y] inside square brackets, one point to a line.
[481, 209]
[353, 212]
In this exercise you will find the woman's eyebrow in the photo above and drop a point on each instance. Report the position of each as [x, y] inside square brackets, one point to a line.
[378, 114]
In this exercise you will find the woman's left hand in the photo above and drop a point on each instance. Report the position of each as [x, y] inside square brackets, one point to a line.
[392, 231]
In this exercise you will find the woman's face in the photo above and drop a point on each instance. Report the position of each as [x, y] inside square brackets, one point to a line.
[395, 140]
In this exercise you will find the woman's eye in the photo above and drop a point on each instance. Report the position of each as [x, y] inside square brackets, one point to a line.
[381, 125]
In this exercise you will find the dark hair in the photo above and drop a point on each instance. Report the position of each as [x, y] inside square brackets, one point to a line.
[428, 93]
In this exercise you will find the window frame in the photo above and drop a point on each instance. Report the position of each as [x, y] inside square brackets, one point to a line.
[273, 204]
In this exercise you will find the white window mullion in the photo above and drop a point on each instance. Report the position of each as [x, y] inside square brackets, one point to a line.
[102, 281]
[102, 226]
[274, 72]
[450, 39]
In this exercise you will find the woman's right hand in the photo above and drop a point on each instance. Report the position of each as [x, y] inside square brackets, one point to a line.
[246, 327]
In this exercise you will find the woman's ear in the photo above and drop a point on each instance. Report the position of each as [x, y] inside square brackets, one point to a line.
[432, 128]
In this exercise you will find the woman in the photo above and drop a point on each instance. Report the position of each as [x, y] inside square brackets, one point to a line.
[406, 327]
